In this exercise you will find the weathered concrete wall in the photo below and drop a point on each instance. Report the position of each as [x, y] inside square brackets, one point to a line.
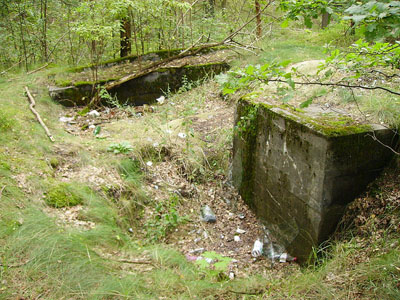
[146, 89]
[299, 177]
[141, 90]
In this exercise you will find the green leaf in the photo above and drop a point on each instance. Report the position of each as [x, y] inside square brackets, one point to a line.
[250, 70]
[285, 23]
[287, 98]
[308, 22]
[291, 83]
[285, 63]
[306, 103]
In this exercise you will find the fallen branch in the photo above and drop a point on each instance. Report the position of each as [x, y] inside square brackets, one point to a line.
[32, 107]
[38, 69]
[155, 65]
[336, 84]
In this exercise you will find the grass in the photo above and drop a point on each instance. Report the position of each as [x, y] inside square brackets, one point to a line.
[39, 258]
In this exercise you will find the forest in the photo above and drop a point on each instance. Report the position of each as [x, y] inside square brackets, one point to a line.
[118, 122]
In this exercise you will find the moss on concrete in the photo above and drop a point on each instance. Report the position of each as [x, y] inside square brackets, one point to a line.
[329, 124]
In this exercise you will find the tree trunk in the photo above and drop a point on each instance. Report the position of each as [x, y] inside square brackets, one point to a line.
[43, 17]
[210, 8]
[258, 19]
[125, 37]
[326, 18]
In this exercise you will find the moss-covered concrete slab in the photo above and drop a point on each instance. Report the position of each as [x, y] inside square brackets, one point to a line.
[299, 169]
[76, 87]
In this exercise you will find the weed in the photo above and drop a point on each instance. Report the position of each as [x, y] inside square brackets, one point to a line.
[165, 219]
[120, 148]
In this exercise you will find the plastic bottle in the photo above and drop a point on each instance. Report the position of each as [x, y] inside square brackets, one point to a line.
[207, 214]
[257, 248]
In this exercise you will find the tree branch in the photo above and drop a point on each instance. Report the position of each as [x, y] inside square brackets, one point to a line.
[336, 84]
[32, 107]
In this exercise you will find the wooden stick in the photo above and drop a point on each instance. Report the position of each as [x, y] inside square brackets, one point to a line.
[32, 105]
[38, 69]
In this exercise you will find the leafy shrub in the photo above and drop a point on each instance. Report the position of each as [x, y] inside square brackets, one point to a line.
[122, 147]
[64, 195]
[165, 219]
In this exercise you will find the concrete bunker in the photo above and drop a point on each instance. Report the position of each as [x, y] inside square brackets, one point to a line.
[298, 171]
[75, 88]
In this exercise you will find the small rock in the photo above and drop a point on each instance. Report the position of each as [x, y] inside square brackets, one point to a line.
[130, 230]
[196, 240]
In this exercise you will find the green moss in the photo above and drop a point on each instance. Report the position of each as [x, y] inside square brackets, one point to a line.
[65, 195]
[63, 83]
[326, 124]
[54, 162]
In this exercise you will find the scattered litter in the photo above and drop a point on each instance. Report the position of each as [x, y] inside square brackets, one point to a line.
[182, 135]
[96, 130]
[92, 126]
[156, 186]
[231, 275]
[155, 145]
[196, 240]
[168, 131]
[205, 235]
[209, 260]
[240, 231]
[284, 257]
[94, 113]
[257, 248]
[130, 230]
[161, 100]
[197, 251]
[207, 214]
[66, 119]
[149, 163]
[241, 216]
[236, 238]
[191, 257]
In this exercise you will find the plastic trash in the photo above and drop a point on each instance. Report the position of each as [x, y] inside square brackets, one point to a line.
[161, 100]
[257, 248]
[94, 113]
[207, 214]
[66, 119]
[236, 238]
[284, 257]
[198, 251]
[240, 231]
[97, 130]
